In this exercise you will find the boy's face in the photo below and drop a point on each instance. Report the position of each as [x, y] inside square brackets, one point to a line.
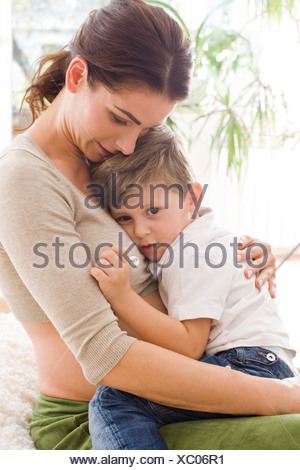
[159, 218]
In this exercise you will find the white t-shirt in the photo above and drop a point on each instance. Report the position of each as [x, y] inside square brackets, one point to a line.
[198, 279]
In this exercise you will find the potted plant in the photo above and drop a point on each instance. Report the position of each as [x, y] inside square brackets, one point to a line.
[227, 91]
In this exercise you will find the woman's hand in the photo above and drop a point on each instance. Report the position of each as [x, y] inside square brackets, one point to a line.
[112, 273]
[261, 261]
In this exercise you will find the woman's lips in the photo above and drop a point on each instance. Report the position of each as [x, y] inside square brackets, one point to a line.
[104, 152]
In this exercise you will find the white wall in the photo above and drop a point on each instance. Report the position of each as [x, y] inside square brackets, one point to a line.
[5, 73]
[265, 204]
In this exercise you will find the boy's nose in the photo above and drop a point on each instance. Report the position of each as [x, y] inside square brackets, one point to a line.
[141, 230]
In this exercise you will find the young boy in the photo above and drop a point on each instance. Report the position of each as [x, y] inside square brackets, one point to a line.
[214, 314]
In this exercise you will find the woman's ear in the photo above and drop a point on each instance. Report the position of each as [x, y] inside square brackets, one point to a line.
[194, 195]
[76, 74]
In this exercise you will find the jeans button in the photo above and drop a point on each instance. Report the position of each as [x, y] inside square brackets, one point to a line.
[271, 357]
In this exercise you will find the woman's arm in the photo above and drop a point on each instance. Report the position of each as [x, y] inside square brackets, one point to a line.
[261, 262]
[174, 380]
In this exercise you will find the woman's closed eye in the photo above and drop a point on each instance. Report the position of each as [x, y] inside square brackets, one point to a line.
[117, 120]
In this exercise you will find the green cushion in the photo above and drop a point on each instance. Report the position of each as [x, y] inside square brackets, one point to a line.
[251, 433]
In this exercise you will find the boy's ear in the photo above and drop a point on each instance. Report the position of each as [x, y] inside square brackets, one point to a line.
[194, 195]
[76, 74]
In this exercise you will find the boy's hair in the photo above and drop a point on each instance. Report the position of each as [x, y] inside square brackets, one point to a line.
[158, 158]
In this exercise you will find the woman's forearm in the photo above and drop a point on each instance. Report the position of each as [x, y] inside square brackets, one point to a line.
[174, 380]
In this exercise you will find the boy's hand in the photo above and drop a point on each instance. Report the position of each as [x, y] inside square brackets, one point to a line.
[113, 275]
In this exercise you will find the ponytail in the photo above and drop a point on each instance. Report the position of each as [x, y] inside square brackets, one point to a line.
[47, 81]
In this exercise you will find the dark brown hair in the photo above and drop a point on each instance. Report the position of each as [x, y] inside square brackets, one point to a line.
[159, 157]
[127, 44]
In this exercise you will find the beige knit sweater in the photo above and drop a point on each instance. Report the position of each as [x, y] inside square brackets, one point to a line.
[49, 238]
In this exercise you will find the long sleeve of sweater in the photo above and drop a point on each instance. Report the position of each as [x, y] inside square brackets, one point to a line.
[48, 241]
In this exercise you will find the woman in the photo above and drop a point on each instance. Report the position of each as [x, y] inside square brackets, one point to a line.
[123, 73]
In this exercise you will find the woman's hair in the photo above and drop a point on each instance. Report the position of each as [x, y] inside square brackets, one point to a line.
[127, 44]
[159, 158]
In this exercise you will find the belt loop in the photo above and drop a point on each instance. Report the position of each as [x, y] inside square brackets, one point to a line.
[240, 354]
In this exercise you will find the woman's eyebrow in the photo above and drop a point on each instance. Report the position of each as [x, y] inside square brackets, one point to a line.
[129, 115]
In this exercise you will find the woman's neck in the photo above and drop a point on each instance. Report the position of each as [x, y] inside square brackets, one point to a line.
[50, 133]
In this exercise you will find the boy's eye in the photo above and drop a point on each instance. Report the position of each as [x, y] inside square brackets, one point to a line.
[122, 219]
[153, 210]
[117, 120]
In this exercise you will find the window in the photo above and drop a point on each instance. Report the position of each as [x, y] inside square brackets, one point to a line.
[40, 27]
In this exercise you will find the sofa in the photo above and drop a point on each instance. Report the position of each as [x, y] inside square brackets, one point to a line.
[281, 432]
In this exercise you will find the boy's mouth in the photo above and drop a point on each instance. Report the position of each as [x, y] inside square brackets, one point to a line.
[149, 247]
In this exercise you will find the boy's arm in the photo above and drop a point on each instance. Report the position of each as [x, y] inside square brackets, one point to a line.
[124, 327]
[152, 299]
[155, 301]
[188, 337]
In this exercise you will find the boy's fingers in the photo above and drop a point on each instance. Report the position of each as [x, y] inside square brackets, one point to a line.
[108, 259]
[98, 274]
[121, 256]
[133, 259]
[119, 259]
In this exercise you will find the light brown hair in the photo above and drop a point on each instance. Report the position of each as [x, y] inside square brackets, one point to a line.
[128, 43]
[158, 158]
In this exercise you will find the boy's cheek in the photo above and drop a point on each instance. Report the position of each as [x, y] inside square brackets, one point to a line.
[130, 233]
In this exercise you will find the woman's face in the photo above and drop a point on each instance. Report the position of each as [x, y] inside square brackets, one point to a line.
[105, 122]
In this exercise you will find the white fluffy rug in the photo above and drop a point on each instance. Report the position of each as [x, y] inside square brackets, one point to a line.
[18, 392]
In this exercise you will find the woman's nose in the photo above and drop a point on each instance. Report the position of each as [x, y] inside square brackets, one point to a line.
[126, 143]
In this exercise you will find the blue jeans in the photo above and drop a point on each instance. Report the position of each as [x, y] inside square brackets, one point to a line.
[121, 421]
